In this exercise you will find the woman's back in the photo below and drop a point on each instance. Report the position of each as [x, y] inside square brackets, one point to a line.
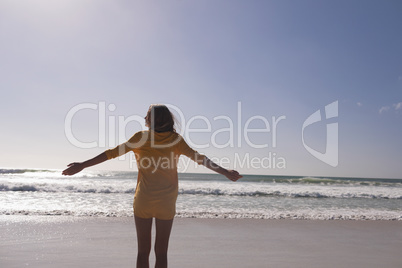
[157, 155]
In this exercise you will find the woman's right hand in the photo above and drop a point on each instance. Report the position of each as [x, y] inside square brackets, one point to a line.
[73, 168]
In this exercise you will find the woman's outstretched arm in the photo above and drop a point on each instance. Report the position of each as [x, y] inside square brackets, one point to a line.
[232, 175]
[76, 167]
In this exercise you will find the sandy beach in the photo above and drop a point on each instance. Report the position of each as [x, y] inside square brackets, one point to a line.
[28, 241]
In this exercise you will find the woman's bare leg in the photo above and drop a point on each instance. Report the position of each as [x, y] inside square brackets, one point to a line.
[163, 228]
[144, 229]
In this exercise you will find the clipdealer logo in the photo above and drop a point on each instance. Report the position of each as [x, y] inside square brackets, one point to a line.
[112, 129]
[330, 156]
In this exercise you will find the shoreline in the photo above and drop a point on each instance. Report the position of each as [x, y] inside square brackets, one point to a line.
[62, 214]
[54, 241]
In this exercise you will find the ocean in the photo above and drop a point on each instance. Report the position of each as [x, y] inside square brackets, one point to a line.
[40, 192]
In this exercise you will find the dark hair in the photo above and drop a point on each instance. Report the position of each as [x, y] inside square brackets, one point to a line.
[160, 119]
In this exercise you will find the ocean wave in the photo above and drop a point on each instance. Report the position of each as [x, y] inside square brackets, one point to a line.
[219, 190]
[298, 180]
[21, 171]
[37, 174]
[271, 179]
[338, 181]
[295, 194]
[63, 188]
[310, 180]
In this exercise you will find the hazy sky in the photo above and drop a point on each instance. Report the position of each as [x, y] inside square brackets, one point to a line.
[92, 68]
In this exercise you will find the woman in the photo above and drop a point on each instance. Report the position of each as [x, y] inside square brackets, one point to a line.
[157, 153]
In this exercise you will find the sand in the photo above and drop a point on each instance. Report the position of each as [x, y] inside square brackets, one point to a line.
[27, 241]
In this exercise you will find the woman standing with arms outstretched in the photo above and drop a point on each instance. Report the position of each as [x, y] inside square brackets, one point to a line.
[157, 153]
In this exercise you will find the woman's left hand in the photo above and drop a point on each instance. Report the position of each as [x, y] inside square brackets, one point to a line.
[73, 168]
[233, 175]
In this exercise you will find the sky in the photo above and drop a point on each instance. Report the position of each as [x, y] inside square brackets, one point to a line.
[310, 88]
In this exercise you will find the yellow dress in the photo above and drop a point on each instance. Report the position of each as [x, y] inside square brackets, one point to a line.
[157, 155]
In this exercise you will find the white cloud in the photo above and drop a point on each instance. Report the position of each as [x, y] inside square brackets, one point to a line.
[383, 109]
[397, 106]
[359, 104]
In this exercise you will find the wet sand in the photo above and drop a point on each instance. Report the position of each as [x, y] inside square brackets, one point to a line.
[28, 241]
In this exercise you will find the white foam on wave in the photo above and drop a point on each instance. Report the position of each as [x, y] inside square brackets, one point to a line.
[289, 190]
[72, 185]
[302, 214]
[94, 185]
[294, 215]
